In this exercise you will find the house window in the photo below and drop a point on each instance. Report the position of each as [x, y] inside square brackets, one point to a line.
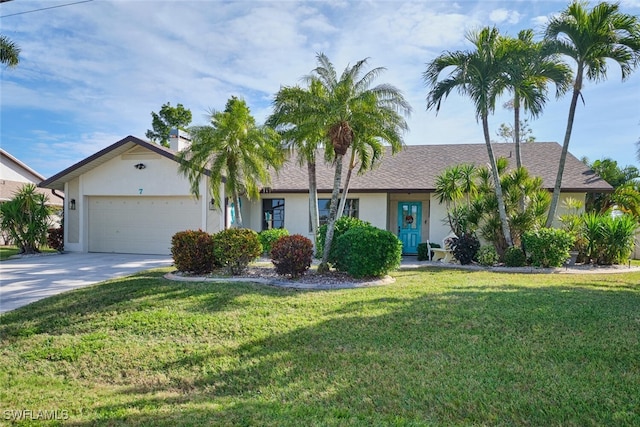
[350, 209]
[272, 213]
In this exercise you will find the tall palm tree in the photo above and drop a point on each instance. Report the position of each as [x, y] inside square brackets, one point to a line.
[236, 151]
[348, 108]
[367, 149]
[590, 38]
[290, 119]
[530, 67]
[9, 52]
[476, 74]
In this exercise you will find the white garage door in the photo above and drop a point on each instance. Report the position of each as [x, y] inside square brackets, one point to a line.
[140, 225]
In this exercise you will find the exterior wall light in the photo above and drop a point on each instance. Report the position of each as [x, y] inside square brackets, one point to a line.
[140, 166]
[72, 204]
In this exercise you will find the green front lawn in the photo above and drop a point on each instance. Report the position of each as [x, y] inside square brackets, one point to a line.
[9, 251]
[438, 347]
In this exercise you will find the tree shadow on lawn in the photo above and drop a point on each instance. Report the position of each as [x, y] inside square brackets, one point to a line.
[505, 355]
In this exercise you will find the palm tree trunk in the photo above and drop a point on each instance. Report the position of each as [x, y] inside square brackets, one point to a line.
[313, 198]
[333, 210]
[577, 87]
[516, 128]
[496, 180]
[237, 211]
[516, 140]
[345, 192]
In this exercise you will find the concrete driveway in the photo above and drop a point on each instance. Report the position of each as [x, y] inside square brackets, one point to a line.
[28, 279]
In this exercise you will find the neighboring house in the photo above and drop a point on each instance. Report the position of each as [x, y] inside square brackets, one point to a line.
[130, 197]
[14, 174]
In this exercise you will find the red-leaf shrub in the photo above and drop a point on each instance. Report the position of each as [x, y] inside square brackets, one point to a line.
[55, 238]
[192, 251]
[292, 255]
[235, 248]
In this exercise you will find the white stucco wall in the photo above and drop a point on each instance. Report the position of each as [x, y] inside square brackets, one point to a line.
[119, 177]
[11, 171]
[372, 208]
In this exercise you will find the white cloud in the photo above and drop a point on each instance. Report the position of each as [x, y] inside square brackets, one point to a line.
[499, 16]
[104, 66]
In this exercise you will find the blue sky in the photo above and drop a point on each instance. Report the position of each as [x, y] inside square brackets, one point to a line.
[91, 73]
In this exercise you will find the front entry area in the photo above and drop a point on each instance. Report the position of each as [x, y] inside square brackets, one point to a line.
[409, 226]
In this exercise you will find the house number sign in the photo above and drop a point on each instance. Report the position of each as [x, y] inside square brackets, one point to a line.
[139, 190]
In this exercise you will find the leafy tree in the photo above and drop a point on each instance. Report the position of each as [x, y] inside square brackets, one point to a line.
[343, 110]
[626, 184]
[234, 150]
[476, 74]
[507, 132]
[530, 67]
[9, 52]
[26, 218]
[591, 38]
[167, 119]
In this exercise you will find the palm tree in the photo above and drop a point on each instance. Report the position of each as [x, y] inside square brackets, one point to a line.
[9, 52]
[348, 108]
[234, 148]
[452, 185]
[367, 149]
[476, 74]
[289, 118]
[626, 188]
[531, 66]
[591, 38]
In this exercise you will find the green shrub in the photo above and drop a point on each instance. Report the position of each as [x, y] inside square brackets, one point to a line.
[291, 255]
[548, 247]
[488, 255]
[268, 237]
[609, 240]
[55, 238]
[514, 257]
[192, 251]
[367, 252]
[235, 248]
[465, 248]
[343, 224]
[423, 254]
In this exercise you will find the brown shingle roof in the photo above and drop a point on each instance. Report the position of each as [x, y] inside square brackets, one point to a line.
[9, 188]
[416, 167]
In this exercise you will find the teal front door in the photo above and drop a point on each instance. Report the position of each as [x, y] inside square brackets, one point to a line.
[409, 221]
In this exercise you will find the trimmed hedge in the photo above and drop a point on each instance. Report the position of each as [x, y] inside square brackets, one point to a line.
[268, 237]
[367, 252]
[235, 248]
[292, 255]
[55, 238]
[343, 224]
[514, 257]
[548, 247]
[192, 251]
